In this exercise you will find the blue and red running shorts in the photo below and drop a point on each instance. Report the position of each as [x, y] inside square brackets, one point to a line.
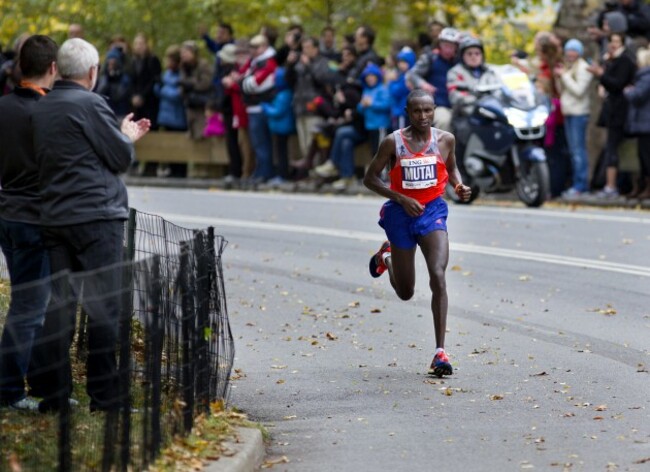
[403, 230]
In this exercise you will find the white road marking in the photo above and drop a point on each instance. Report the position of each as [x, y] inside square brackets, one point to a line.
[366, 236]
[370, 200]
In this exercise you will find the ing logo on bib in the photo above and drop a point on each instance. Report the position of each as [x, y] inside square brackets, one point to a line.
[419, 172]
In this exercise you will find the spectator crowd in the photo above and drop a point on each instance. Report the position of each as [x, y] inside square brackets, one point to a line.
[335, 93]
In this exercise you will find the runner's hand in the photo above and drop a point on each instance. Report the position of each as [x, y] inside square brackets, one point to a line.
[411, 206]
[463, 191]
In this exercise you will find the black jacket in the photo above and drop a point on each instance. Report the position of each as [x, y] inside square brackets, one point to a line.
[19, 197]
[619, 73]
[80, 152]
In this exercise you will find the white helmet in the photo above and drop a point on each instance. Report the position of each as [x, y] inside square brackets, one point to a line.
[451, 35]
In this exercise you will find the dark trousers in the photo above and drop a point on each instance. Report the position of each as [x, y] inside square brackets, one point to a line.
[232, 145]
[615, 136]
[559, 162]
[79, 248]
[644, 154]
[281, 151]
[28, 266]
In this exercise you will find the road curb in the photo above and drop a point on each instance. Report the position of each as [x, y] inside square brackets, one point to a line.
[249, 452]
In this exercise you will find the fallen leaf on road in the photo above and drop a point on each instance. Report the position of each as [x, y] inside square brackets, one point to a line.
[496, 397]
[290, 417]
[354, 304]
[609, 311]
[456, 268]
[642, 461]
[524, 278]
[539, 374]
[601, 408]
[280, 381]
[375, 310]
[268, 464]
[331, 336]
[598, 418]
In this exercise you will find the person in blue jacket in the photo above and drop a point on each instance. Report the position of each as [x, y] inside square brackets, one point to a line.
[282, 124]
[398, 88]
[171, 112]
[375, 105]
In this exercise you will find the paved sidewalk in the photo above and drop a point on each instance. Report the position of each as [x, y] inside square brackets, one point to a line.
[310, 186]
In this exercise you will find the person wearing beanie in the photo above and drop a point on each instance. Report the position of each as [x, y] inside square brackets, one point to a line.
[398, 88]
[116, 84]
[574, 79]
[615, 22]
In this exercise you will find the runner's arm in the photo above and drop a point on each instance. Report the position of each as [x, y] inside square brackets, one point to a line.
[455, 179]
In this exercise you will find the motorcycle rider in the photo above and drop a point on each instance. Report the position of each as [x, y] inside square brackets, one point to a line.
[462, 81]
[430, 74]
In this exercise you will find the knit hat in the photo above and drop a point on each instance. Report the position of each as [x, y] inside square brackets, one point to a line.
[372, 69]
[616, 21]
[116, 54]
[407, 55]
[574, 45]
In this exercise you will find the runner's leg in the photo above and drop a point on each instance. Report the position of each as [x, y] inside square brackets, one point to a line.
[401, 269]
[435, 247]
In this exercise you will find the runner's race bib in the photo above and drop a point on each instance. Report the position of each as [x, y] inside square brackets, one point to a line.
[419, 172]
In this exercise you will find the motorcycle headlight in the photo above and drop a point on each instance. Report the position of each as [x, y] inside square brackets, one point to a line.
[539, 116]
[516, 118]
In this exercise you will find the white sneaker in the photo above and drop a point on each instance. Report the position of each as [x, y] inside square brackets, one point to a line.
[26, 404]
[326, 170]
[342, 184]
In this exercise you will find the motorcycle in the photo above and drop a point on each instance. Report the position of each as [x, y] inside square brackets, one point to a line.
[503, 146]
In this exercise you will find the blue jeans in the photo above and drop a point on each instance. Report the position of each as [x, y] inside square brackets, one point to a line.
[27, 261]
[262, 143]
[576, 136]
[342, 152]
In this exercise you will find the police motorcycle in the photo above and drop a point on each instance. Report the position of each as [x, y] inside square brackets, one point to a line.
[503, 147]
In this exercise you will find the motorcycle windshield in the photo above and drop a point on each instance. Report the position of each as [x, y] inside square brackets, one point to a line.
[519, 90]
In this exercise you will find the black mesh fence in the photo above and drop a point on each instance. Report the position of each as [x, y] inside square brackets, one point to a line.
[143, 347]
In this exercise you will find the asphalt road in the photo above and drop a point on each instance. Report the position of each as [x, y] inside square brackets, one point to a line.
[548, 332]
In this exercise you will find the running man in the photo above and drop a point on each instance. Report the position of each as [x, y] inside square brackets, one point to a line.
[421, 161]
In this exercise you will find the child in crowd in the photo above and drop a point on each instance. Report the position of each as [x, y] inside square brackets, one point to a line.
[281, 123]
[214, 125]
[374, 105]
[398, 88]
